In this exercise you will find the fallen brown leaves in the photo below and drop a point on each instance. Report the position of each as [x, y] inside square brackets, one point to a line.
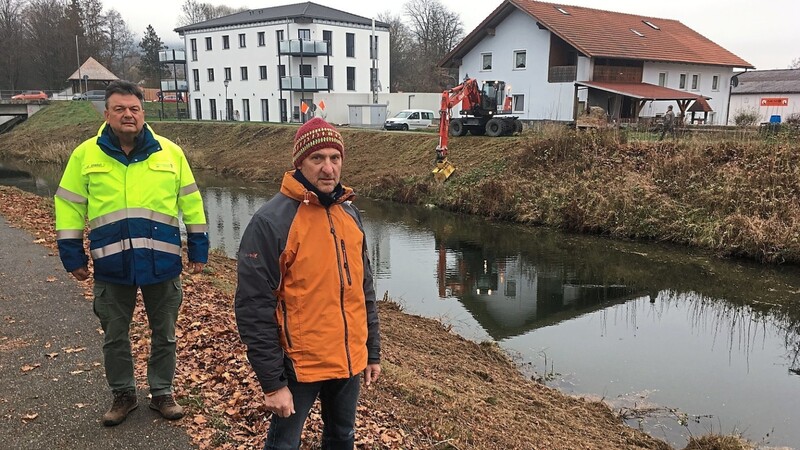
[436, 391]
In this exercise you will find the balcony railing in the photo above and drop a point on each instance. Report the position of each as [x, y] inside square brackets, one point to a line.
[172, 56]
[304, 83]
[169, 85]
[562, 74]
[297, 47]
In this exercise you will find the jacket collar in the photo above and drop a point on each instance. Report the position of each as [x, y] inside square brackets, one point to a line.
[145, 144]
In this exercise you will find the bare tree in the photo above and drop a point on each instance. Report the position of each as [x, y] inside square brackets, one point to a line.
[795, 64]
[195, 12]
[401, 60]
[119, 53]
[11, 55]
[436, 30]
[51, 45]
[93, 21]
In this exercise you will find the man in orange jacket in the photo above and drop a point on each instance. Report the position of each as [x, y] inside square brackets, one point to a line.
[305, 300]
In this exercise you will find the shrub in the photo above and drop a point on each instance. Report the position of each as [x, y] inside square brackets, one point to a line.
[793, 119]
[747, 117]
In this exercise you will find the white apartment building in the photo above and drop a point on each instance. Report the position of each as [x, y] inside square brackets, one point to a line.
[263, 64]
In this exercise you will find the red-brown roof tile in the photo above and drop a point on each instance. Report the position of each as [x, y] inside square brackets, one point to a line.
[606, 34]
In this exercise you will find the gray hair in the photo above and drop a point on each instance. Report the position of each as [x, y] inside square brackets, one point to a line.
[125, 88]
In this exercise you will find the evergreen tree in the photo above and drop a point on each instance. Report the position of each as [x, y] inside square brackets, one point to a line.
[151, 69]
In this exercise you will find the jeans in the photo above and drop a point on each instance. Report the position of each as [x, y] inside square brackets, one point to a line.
[114, 305]
[338, 399]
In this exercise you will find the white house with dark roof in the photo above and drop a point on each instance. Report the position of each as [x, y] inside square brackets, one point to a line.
[263, 64]
[768, 92]
[558, 59]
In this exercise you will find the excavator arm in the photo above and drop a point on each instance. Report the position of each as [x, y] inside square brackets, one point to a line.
[466, 93]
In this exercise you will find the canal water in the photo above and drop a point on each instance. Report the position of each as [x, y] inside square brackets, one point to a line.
[680, 342]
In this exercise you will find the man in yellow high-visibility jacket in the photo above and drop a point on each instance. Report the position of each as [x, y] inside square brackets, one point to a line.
[132, 185]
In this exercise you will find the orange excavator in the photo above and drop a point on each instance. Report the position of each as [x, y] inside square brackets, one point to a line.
[484, 111]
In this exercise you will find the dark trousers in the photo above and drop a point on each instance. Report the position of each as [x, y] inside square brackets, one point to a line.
[338, 399]
[114, 305]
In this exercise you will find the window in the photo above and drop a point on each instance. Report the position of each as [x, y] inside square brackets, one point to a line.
[242, 40]
[264, 110]
[262, 40]
[212, 106]
[662, 79]
[518, 101]
[196, 79]
[228, 73]
[194, 49]
[351, 78]
[304, 34]
[210, 74]
[281, 70]
[637, 33]
[327, 36]
[651, 25]
[486, 63]
[305, 70]
[246, 109]
[350, 45]
[561, 10]
[682, 81]
[520, 59]
[427, 116]
[208, 43]
[328, 73]
[243, 71]
[262, 72]
[226, 42]
[373, 47]
[715, 83]
[414, 116]
[198, 109]
[695, 82]
[279, 35]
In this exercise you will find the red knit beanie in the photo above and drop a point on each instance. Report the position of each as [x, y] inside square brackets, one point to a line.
[314, 135]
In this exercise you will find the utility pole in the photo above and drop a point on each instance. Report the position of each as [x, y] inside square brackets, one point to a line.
[78, 54]
[373, 53]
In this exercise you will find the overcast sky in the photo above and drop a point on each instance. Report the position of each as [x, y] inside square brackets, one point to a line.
[764, 33]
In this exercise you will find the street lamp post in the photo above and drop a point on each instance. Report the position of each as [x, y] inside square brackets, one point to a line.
[227, 110]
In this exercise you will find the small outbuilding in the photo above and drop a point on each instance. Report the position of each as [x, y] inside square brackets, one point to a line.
[91, 75]
[769, 93]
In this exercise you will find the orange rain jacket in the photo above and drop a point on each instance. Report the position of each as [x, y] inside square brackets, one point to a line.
[305, 300]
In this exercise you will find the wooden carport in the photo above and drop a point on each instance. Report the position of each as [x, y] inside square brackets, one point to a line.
[640, 93]
[91, 75]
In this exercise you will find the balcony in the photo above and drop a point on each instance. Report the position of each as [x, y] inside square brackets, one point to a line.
[172, 56]
[562, 74]
[303, 47]
[306, 84]
[169, 86]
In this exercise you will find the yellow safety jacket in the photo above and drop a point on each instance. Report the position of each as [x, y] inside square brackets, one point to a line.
[133, 204]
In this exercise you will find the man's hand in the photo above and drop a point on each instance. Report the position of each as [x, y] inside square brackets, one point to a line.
[81, 274]
[280, 402]
[371, 373]
[194, 267]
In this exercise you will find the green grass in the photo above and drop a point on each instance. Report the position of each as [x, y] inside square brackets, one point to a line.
[153, 111]
[60, 114]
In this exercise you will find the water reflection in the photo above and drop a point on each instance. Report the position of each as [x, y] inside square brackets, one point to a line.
[696, 343]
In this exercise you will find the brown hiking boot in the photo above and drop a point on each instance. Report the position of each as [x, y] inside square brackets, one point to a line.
[165, 404]
[124, 403]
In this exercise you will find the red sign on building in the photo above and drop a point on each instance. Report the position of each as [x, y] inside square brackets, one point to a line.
[774, 101]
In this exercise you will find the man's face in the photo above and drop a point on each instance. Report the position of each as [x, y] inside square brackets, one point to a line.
[323, 169]
[125, 114]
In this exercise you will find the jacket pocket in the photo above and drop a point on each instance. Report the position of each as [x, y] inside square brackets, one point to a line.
[346, 264]
[283, 323]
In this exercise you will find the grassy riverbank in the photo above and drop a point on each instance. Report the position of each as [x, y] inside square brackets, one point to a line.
[440, 391]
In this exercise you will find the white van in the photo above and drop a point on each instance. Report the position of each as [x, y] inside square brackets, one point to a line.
[410, 119]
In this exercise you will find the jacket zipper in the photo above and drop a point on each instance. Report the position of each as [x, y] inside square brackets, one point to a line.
[339, 258]
[346, 265]
[286, 324]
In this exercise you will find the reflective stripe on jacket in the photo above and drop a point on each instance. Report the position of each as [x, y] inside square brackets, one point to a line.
[133, 207]
[305, 290]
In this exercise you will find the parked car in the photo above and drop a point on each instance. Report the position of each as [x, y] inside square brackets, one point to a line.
[30, 95]
[410, 119]
[96, 95]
